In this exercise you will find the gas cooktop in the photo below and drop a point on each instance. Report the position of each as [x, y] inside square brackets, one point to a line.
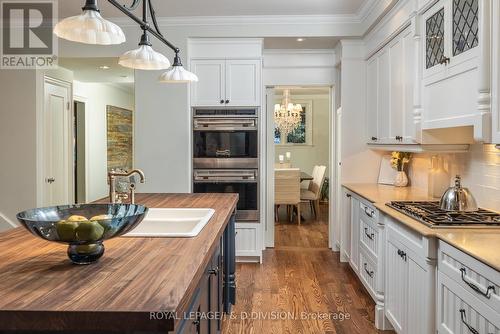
[431, 215]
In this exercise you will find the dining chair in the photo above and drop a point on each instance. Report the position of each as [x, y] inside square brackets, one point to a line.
[313, 193]
[287, 191]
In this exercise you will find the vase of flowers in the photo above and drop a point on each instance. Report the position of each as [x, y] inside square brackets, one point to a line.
[399, 161]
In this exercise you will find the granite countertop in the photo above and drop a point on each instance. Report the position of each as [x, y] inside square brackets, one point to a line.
[482, 244]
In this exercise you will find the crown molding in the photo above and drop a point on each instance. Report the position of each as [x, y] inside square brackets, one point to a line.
[299, 51]
[183, 21]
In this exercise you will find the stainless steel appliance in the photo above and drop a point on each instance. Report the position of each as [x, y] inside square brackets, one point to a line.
[226, 156]
[225, 138]
[433, 216]
[241, 181]
[457, 198]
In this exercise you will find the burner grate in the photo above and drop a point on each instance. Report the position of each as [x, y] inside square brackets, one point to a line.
[431, 214]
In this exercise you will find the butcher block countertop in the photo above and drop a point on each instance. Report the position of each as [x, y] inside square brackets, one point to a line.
[482, 244]
[41, 289]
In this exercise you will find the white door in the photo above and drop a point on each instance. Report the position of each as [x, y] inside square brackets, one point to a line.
[209, 90]
[243, 82]
[57, 136]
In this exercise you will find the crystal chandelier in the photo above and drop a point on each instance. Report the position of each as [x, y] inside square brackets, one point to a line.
[287, 116]
[91, 28]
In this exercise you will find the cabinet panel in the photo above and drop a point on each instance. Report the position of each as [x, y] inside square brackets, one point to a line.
[420, 298]
[354, 256]
[384, 114]
[243, 86]
[209, 90]
[495, 89]
[247, 239]
[396, 279]
[397, 71]
[409, 130]
[372, 99]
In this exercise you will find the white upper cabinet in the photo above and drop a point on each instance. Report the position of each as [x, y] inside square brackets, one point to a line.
[243, 82]
[231, 82]
[451, 40]
[390, 92]
[209, 90]
[495, 57]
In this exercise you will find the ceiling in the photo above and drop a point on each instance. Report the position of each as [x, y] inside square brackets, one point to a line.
[89, 70]
[173, 8]
[306, 43]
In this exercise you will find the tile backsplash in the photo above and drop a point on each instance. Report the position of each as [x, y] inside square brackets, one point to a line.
[479, 168]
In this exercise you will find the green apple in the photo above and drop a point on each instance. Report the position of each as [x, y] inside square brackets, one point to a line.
[66, 230]
[89, 231]
[76, 218]
[106, 222]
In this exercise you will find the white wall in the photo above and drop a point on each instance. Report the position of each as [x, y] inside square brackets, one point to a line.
[479, 168]
[306, 157]
[17, 144]
[97, 96]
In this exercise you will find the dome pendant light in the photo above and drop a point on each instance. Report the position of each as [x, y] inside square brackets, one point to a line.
[144, 58]
[89, 27]
[177, 73]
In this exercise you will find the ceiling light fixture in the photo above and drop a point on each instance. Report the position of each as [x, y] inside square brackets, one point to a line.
[91, 28]
[104, 67]
[300, 39]
[287, 116]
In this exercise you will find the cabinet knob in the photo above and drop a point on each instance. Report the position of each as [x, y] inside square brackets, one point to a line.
[374, 138]
[227, 101]
[214, 271]
[221, 101]
[444, 61]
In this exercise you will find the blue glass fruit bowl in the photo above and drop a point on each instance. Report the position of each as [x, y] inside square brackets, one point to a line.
[83, 227]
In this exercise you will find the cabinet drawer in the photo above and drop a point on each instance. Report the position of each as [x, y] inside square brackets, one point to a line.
[420, 245]
[248, 239]
[368, 273]
[472, 275]
[459, 312]
[369, 212]
[369, 236]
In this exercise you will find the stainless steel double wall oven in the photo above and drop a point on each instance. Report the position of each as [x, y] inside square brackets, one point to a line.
[226, 156]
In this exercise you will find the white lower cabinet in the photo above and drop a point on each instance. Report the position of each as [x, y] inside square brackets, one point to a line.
[409, 280]
[468, 294]
[354, 254]
[248, 242]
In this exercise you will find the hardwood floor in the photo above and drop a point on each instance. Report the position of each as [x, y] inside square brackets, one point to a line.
[301, 287]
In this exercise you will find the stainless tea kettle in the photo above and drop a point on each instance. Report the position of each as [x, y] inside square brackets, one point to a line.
[458, 199]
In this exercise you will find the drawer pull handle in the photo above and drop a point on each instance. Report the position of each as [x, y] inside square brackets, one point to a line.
[464, 321]
[402, 254]
[369, 213]
[474, 287]
[369, 236]
[370, 273]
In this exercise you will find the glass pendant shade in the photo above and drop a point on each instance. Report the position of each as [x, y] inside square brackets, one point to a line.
[89, 28]
[144, 58]
[178, 74]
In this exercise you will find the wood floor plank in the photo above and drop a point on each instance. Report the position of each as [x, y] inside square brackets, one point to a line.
[301, 287]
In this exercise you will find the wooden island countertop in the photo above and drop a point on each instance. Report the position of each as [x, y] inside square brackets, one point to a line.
[40, 289]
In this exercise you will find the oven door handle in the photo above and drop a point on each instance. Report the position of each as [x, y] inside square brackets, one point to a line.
[225, 124]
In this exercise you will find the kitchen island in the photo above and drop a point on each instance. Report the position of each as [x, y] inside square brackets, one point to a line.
[140, 284]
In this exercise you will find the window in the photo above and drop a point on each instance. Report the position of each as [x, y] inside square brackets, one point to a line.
[301, 135]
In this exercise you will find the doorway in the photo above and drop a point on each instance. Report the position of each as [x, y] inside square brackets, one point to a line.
[79, 162]
[306, 151]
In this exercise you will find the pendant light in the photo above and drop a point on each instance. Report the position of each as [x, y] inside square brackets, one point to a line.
[144, 58]
[89, 27]
[177, 73]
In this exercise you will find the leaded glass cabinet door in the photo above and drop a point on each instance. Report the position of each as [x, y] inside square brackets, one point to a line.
[465, 26]
[435, 38]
